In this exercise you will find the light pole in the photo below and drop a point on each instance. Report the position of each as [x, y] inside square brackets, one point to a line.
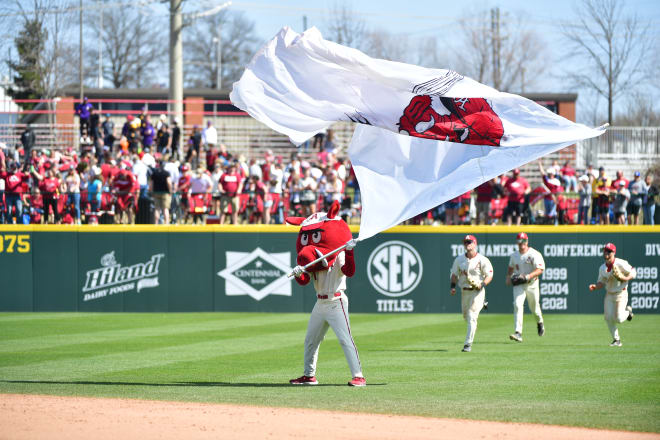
[218, 60]
[176, 49]
[101, 47]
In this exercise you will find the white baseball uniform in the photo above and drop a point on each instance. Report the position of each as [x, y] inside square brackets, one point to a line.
[616, 298]
[525, 264]
[330, 310]
[472, 301]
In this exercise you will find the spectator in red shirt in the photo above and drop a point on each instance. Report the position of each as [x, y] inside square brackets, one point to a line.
[553, 187]
[14, 196]
[184, 189]
[231, 185]
[485, 193]
[616, 183]
[123, 187]
[256, 192]
[49, 186]
[568, 175]
[516, 187]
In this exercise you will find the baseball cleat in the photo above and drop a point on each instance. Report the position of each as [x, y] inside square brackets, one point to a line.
[540, 328]
[467, 348]
[516, 337]
[304, 380]
[631, 315]
[358, 382]
[616, 343]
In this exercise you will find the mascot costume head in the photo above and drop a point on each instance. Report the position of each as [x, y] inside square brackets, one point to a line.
[319, 234]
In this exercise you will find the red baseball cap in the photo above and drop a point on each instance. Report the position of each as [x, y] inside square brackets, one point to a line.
[516, 171]
[470, 238]
[609, 247]
[521, 237]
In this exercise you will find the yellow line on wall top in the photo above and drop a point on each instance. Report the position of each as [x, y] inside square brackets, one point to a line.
[406, 229]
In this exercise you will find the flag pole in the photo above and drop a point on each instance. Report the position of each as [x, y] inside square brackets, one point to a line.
[321, 258]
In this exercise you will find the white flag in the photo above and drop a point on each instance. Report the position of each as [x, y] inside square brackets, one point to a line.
[300, 84]
[402, 176]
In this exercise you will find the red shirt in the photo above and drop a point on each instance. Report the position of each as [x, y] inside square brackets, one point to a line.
[567, 171]
[184, 184]
[554, 185]
[615, 183]
[230, 183]
[484, 192]
[211, 157]
[14, 182]
[124, 183]
[516, 189]
[108, 171]
[49, 186]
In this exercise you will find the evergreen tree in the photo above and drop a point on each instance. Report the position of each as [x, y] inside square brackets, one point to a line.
[28, 78]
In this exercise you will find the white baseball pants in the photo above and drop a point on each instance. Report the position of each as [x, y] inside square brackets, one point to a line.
[531, 293]
[330, 313]
[472, 302]
[615, 310]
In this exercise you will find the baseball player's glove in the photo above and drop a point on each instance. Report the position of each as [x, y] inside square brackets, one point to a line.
[617, 272]
[474, 283]
[517, 279]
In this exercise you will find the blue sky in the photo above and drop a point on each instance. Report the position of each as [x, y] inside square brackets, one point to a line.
[421, 18]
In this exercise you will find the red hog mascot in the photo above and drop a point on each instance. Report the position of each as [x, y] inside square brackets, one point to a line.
[321, 233]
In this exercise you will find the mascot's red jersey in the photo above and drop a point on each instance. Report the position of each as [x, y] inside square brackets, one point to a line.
[319, 234]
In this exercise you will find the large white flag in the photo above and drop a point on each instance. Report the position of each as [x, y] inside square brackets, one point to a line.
[443, 133]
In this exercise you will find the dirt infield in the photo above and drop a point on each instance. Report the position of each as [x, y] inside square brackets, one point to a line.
[39, 417]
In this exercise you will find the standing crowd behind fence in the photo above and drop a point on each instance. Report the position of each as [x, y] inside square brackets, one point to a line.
[151, 172]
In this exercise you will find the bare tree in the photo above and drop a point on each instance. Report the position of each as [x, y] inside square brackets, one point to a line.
[613, 44]
[238, 40]
[639, 112]
[50, 61]
[385, 45]
[345, 27]
[134, 46]
[429, 54]
[521, 51]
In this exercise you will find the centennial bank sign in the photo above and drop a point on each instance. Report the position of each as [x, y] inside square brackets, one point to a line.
[257, 274]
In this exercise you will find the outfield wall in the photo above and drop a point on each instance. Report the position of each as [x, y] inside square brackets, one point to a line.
[244, 268]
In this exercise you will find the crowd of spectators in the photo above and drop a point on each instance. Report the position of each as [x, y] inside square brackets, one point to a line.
[147, 173]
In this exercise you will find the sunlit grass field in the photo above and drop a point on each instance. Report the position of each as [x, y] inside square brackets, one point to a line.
[413, 364]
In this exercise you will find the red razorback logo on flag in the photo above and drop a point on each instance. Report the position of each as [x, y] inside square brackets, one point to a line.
[463, 120]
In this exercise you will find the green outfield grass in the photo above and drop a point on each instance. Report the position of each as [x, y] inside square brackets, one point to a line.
[413, 364]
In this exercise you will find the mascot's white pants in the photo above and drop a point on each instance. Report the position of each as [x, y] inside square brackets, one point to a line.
[330, 313]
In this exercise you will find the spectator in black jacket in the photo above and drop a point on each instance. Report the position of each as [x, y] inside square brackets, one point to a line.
[28, 140]
[161, 190]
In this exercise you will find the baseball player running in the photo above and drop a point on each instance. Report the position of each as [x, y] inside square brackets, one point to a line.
[472, 272]
[614, 275]
[525, 267]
